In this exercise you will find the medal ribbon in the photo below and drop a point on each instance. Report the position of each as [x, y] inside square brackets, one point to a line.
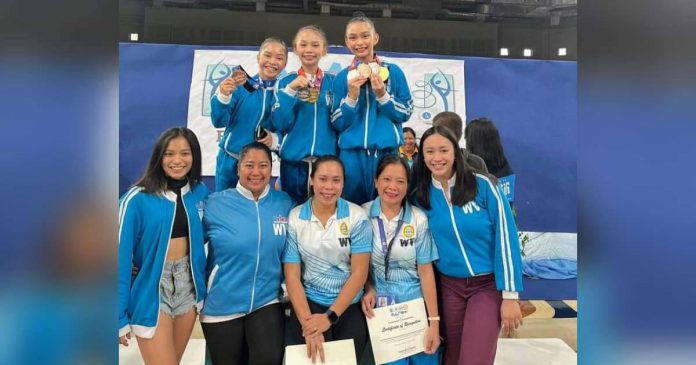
[356, 62]
[316, 83]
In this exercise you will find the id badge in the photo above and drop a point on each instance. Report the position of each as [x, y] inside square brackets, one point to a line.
[384, 300]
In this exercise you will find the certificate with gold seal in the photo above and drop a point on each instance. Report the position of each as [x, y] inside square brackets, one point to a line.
[398, 331]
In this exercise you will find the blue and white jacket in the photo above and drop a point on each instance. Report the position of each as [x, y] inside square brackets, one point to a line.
[307, 126]
[241, 113]
[478, 238]
[145, 228]
[326, 251]
[412, 246]
[246, 239]
[372, 124]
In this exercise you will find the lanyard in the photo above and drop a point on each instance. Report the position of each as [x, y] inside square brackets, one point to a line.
[354, 64]
[386, 247]
[253, 83]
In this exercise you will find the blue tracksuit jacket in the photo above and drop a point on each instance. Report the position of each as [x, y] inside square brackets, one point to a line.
[246, 242]
[145, 227]
[478, 238]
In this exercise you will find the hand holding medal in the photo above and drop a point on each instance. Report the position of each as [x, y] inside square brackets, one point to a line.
[374, 72]
[308, 87]
[238, 77]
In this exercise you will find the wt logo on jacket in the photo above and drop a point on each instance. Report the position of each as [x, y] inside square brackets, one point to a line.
[280, 225]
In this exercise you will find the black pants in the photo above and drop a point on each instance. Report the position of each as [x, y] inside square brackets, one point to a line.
[352, 324]
[258, 334]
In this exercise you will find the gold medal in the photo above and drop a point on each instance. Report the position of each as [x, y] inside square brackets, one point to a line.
[383, 73]
[313, 95]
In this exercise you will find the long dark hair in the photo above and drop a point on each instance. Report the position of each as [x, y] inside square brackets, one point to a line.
[483, 139]
[465, 183]
[394, 160]
[320, 161]
[154, 180]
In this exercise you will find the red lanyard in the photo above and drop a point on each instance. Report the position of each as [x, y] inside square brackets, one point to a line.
[316, 83]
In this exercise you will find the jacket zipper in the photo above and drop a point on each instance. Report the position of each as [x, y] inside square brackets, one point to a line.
[258, 249]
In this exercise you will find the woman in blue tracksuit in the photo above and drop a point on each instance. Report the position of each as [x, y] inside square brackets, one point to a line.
[303, 113]
[402, 254]
[160, 233]
[245, 227]
[243, 107]
[327, 259]
[480, 264]
[372, 100]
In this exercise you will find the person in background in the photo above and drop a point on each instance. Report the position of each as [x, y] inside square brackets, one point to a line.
[482, 138]
[242, 105]
[161, 257]
[245, 227]
[408, 150]
[453, 122]
[480, 265]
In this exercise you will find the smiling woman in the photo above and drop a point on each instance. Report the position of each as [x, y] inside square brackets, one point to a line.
[480, 264]
[326, 258]
[245, 228]
[245, 112]
[167, 198]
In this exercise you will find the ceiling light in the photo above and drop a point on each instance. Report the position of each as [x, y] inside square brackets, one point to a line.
[562, 52]
[527, 52]
[503, 51]
[134, 37]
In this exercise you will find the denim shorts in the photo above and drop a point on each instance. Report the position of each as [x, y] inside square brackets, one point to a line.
[177, 292]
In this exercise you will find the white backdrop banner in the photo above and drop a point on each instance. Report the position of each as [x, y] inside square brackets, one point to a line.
[436, 85]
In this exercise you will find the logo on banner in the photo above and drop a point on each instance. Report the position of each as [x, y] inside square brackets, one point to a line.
[433, 94]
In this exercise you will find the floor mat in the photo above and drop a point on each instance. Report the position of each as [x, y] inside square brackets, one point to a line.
[534, 351]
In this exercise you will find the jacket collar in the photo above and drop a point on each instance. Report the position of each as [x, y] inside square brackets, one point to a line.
[171, 195]
[342, 209]
[450, 182]
[249, 195]
[376, 210]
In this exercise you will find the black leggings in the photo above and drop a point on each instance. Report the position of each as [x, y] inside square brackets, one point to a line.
[352, 324]
[260, 334]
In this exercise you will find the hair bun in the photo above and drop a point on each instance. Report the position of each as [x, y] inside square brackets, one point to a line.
[359, 14]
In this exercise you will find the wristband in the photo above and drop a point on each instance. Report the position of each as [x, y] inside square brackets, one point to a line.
[436, 318]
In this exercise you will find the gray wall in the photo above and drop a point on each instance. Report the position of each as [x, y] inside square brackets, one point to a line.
[462, 38]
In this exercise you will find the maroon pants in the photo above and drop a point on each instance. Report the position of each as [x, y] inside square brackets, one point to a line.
[471, 319]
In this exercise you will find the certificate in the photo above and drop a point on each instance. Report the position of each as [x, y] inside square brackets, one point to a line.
[398, 331]
[335, 353]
